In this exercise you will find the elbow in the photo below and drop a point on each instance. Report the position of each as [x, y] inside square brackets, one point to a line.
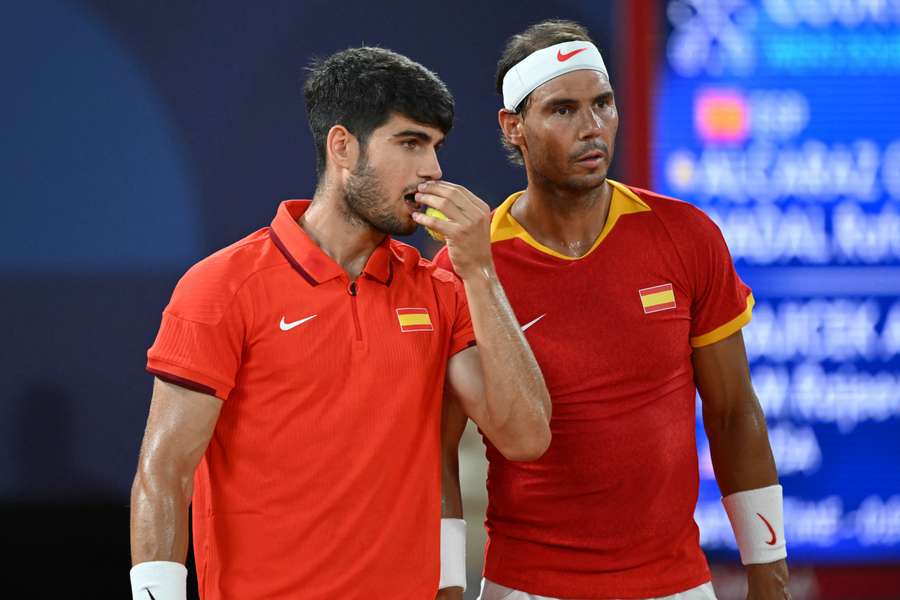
[158, 477]
[529, 448]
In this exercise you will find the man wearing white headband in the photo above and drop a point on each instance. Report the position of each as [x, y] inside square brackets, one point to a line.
[631, 304]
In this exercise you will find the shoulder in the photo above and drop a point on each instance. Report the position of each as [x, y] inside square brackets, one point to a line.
[442, 259]
[209, 287]
[682, 219]
[436, 271]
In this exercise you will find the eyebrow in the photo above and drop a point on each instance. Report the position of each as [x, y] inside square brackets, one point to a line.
[419, 135]
[563, 101]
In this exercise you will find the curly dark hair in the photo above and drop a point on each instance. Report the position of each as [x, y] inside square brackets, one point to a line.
[518, 47]
[360, 88]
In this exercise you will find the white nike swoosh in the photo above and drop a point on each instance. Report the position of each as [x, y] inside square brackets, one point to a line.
[530, 323]
[288, 326]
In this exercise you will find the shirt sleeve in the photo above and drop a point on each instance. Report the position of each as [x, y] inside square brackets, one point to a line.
[462, 336]
[722, 304]
[442, 259]
[200, 340]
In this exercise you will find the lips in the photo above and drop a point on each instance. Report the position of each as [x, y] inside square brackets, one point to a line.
[410, 200]
[593, 155]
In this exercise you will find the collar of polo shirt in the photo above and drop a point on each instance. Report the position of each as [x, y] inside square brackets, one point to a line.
[310, 261]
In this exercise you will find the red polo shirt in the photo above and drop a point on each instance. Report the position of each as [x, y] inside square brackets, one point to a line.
[322, 479]
[607, 511]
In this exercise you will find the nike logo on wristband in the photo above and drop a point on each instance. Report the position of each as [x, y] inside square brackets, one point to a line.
[772, 531]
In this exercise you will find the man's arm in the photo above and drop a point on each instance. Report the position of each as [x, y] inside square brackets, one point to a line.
[453, 424]
[179, 427]
[738, 440]
[498, 383]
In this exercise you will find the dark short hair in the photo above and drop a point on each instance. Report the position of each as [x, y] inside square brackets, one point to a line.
[518, 47]
[360, 88]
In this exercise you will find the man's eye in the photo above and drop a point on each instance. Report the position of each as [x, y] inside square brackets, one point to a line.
[411, 144]
[562, 110]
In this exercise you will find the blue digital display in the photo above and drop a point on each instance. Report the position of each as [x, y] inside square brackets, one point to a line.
[780, 119]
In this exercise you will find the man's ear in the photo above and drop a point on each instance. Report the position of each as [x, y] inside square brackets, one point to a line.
[511, 125]
[341, 148]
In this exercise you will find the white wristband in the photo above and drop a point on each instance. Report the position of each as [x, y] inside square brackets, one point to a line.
[159, 580]
[453, 554]
[757, 518]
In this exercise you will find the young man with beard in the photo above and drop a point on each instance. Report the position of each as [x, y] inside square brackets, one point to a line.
[631, 304]
[299, 371]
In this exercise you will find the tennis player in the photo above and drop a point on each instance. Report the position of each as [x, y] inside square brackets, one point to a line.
[631, 303]
[299, 372]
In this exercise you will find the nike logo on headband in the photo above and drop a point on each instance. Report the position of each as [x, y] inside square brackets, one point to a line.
[564, 57]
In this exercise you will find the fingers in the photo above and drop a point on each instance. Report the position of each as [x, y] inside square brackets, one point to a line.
[459, 195]
[450, 209]
[445, 228]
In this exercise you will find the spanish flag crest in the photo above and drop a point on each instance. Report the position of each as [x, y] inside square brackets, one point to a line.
[414, 319]
[657, 298]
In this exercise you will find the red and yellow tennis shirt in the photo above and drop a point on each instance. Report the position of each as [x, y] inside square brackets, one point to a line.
[607, 512]
[322, 478]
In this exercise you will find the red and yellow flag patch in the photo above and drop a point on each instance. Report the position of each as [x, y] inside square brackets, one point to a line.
[657, 298]
[414, 319]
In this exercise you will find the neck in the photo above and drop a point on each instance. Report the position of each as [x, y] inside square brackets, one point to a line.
[564, 219]
[347, 240]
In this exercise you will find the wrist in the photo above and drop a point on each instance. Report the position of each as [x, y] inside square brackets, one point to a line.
[453, 554]
[767, 576]
[478, 273]
[757, 518]
[159, 579]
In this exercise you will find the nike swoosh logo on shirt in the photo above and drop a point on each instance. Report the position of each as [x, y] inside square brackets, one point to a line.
[530, 323]
[564, 57]
[152, 597]
[288, 326]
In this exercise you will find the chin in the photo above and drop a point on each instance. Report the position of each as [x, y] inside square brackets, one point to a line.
[411, 229]
[399, 227]
[587, 182]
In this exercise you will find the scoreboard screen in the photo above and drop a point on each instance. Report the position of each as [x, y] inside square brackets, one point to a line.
[781, 120]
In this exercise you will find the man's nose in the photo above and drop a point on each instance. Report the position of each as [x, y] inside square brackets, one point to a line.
[591, 126]
[431, 168]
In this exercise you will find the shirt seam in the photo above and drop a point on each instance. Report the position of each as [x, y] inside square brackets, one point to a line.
[231, 300]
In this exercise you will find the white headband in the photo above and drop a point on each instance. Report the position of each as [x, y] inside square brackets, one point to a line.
[547, 63]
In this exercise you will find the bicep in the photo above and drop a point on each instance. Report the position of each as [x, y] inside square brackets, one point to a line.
[180, 424]
[465, 383]
[723, 376]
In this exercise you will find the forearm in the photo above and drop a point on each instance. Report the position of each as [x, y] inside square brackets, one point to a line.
[739, 447]
[517, 406]
[159, 517]
[451, 494]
